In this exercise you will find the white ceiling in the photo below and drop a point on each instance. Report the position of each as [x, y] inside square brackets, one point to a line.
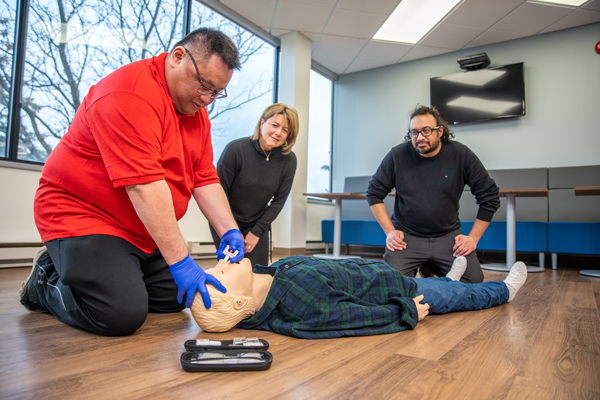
[341, 30]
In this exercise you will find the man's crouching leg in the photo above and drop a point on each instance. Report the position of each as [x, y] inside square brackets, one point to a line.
[94, 283]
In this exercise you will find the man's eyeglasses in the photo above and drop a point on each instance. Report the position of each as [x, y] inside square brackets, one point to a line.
[203, 89]
[425, 132]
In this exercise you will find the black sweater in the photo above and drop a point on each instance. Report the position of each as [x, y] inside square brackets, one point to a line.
[250, 182]
[428, 189]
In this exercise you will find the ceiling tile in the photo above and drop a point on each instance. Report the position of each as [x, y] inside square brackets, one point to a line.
[354, 24]
[312, 36]
[301, 17]
[481, 13]
[423, 52]
[451, 36]
[531, 18]
[386, 52]
[338, 46]
[320, 3]
[492, 36]
[384, 7]
[336, 64]
[362, 64]
[279, 32]
[592, 5]
[576, 18]
[258, 11]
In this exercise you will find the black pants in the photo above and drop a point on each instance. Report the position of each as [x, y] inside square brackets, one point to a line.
[435, 253]
[104, 284]
[260, 253]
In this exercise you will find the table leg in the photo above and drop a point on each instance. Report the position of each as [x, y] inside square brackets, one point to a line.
[337, 234]
[511, 231]
[337, 227]
[511, 239]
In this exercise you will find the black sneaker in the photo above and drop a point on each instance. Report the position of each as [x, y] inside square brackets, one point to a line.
[27, 293]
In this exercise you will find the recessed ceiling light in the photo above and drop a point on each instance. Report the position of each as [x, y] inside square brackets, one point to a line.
[575, 3]
[412, 19]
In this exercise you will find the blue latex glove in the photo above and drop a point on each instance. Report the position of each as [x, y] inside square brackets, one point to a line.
[232, 238]
[189, 277]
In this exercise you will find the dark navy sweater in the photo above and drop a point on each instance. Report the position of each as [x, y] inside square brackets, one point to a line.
[251, 182]
[428, 189]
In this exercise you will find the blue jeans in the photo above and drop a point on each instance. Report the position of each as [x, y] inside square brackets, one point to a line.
[445, 295]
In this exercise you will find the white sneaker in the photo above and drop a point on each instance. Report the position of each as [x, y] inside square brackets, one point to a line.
[516, 279]
[459, 266]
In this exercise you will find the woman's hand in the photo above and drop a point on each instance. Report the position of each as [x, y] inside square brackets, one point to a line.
[250, 242]
[422, 309]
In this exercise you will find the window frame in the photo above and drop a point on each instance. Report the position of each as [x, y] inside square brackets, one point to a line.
[333, 78]
[10, 158]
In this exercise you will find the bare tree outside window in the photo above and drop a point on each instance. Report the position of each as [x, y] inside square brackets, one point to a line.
[250, 90]
[72, 44]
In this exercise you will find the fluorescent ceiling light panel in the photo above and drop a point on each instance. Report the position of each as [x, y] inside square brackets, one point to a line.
[490, 106]
[478, 78]
[412, 19]
[575, 3]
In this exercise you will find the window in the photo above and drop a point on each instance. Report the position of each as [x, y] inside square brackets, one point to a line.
[7, 44]
[71, 45]
[318, 177]
[250, 90]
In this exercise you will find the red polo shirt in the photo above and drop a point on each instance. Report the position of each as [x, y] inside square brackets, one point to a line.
[125, 132]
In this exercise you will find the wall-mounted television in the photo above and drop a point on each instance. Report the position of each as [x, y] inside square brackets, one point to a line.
[482, 95]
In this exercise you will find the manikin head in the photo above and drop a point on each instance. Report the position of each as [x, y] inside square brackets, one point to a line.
[229, 308]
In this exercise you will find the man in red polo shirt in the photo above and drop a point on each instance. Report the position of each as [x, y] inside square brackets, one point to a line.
[113, 189]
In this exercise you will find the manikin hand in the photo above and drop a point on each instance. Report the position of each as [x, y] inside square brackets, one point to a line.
[464, 245]
[395, 241]
[250, 242]
[233, 239]
[422, 309]
[189, 277]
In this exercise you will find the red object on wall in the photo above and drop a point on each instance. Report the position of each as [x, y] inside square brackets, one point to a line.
[598, 47]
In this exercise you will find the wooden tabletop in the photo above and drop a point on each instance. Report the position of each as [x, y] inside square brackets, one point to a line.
[543, 192]
[587, 190]
[333, 196]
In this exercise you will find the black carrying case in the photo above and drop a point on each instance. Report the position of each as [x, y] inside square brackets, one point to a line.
[239, 354]
[226, 360]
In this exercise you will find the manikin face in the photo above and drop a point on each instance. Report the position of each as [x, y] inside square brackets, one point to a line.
[183, 81]
[237, 278]
[426, 146]
[273, 132]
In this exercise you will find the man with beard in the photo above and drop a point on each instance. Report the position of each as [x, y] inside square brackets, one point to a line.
[429, 172]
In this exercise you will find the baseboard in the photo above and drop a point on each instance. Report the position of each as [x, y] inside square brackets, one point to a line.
[14, 255]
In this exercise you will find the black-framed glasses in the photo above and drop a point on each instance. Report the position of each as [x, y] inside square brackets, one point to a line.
[425, 132]
[203, 89]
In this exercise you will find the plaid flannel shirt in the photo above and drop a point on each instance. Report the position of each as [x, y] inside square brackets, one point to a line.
[318, 298]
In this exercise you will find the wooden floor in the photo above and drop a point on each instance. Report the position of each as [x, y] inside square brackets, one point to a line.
[544, 345]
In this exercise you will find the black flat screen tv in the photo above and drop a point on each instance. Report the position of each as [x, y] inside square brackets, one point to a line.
[482, 95]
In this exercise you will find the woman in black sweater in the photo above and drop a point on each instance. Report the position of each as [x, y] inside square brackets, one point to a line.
[257, 174]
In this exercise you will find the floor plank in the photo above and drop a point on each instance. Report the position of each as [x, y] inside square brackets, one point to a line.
[544, 344]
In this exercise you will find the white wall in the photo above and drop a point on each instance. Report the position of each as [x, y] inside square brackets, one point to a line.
[562, 89]
[17, 188]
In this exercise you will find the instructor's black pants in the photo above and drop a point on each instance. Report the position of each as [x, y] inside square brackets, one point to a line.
[104, 284]
[435, 253]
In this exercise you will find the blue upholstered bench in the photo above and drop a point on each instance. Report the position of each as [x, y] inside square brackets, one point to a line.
[355, 231]
[531, 236]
